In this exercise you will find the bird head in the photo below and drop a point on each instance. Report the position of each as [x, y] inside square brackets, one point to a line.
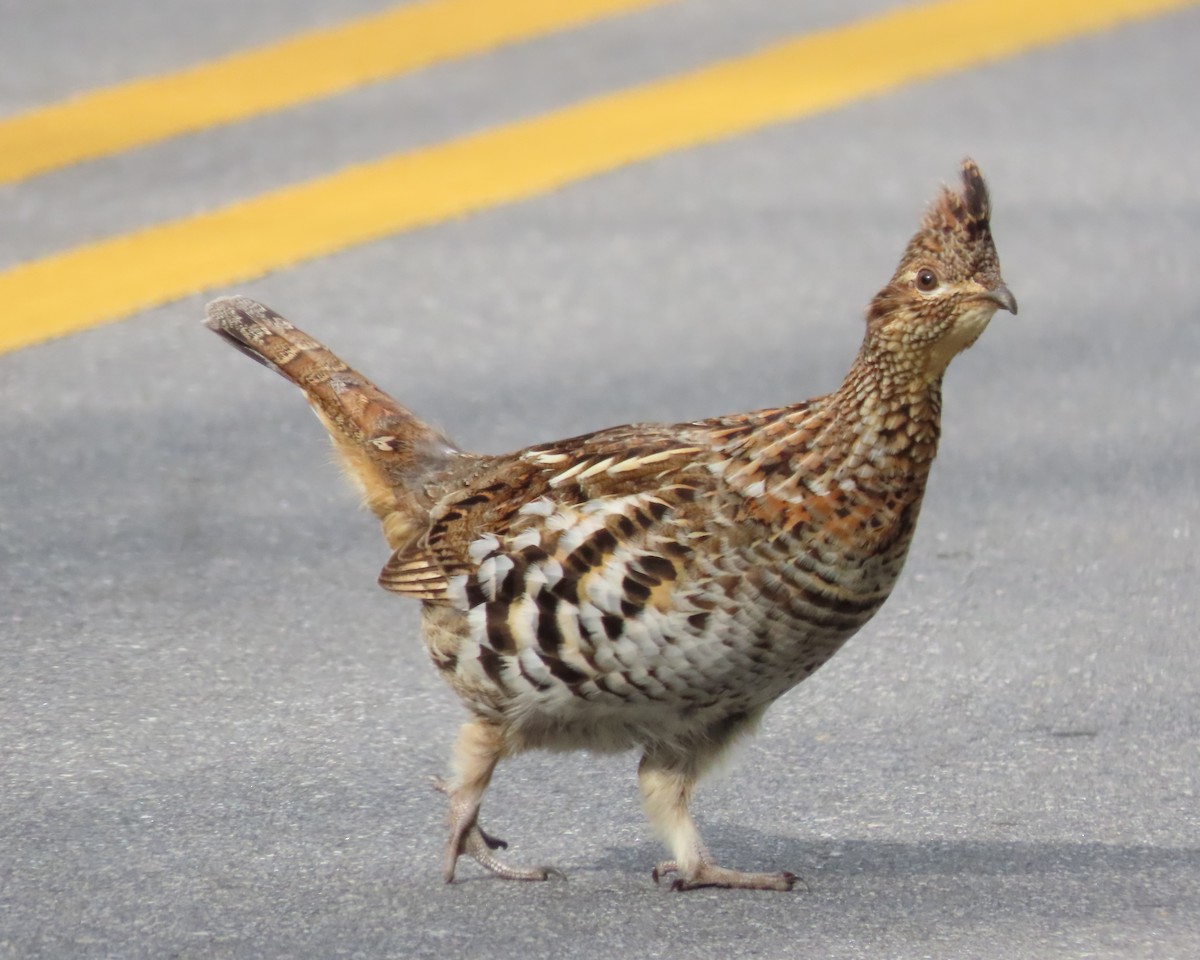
[946, 288]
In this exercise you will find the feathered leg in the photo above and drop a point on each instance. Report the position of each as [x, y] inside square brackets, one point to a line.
[667, 778]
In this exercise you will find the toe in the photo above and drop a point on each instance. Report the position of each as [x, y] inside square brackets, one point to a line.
[479, 851]
[710, 875]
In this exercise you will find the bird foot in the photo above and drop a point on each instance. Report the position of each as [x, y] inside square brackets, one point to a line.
[710, 875]
[481, 852]
[478, 844]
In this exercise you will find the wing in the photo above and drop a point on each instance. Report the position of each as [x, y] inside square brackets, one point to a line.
[567, 560]
[504, 496]
[495, 497]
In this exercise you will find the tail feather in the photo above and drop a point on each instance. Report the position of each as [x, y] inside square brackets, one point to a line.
[385, 448]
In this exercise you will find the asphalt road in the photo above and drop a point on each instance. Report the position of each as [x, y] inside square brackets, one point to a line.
[217, 735]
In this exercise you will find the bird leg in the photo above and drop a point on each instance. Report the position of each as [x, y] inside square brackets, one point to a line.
[493, 842]
[479, 748]
[666, 784]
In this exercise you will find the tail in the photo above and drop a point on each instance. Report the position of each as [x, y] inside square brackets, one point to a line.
[385, 449]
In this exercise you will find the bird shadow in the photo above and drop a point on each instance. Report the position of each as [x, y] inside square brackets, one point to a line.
[829, 864]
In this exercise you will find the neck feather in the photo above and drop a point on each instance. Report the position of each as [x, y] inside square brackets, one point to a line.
[865, 436]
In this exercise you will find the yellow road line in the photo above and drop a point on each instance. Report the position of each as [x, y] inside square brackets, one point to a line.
[112, 278]
[299, 68]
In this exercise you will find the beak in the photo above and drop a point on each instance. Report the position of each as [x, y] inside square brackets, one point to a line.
[1002, 297]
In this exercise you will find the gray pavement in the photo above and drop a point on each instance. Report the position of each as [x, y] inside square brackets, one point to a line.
[216, 734]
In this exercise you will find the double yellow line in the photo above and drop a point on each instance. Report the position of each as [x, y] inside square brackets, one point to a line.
[308, 66]
[101, 281]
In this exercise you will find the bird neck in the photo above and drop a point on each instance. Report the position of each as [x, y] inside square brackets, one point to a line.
[866, 438]
[888, 423]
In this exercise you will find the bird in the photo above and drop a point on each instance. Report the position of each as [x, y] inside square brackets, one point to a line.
[655, 586]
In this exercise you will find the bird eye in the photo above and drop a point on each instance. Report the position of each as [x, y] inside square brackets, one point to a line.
[926, 280]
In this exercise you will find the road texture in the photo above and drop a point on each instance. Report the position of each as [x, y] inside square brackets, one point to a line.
[217, 735]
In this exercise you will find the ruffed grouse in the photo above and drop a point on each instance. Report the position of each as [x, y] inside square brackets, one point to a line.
[656, 586]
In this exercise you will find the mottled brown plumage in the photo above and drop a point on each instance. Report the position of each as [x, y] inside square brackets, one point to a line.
[656, 586]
